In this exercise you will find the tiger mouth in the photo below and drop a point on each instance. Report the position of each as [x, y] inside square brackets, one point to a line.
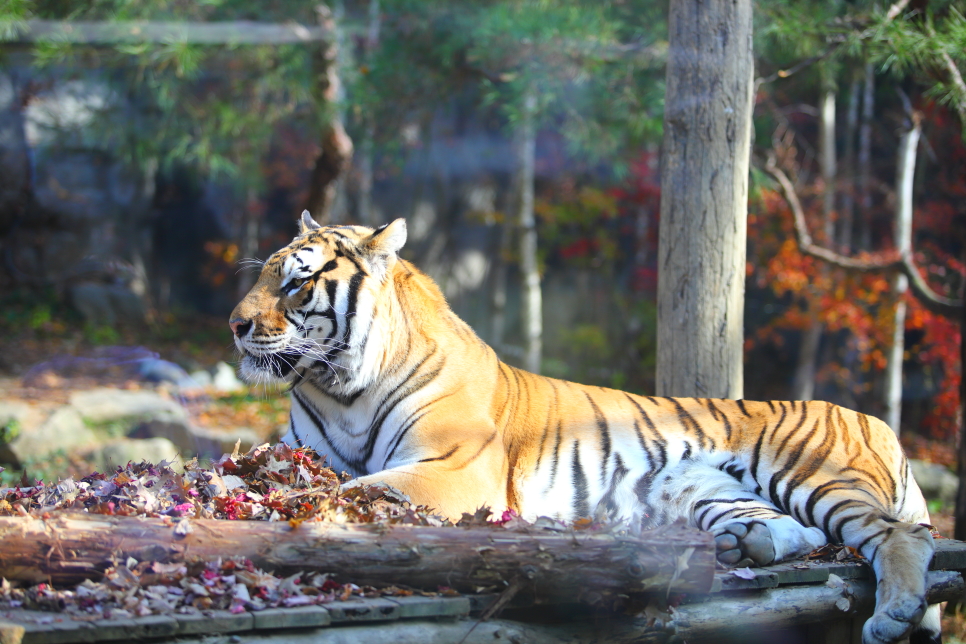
[278, 364]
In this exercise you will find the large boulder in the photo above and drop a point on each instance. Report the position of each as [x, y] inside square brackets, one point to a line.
[128, 450]
[30, 435]
[196, 441]
[107, 405]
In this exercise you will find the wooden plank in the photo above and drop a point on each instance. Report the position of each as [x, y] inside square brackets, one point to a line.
[950, 555]
[363, 610]
[239, 32]
[301, 617]
[218, 621]
[417, 607]
[764, 578]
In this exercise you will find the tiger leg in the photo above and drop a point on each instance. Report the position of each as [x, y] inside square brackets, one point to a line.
[900, 553]
[749, 530]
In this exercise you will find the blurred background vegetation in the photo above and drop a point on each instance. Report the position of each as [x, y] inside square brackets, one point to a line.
[135, 175]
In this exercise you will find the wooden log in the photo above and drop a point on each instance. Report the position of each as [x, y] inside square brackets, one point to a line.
[780, 608]
[550, 566]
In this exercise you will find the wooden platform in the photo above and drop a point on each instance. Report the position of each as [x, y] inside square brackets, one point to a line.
[769, 607]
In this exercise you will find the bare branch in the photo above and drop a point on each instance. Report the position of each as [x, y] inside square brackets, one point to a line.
[891, 262]
[239, 32]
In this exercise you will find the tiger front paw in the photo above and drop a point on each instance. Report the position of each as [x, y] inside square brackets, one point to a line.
[744, 544]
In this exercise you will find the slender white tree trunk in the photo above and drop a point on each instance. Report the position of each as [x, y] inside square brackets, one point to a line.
[803, 384]
[704, 200]
[906, 170]
[827, 158]
[530, 272]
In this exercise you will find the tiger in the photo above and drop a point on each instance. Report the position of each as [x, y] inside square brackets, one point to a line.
[397, 390]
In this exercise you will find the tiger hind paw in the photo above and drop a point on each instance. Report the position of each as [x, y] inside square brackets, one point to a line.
[893, 623]
[744, 544]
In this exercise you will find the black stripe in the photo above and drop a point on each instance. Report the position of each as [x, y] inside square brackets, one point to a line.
[556, 454]
[741, 406]
[546, 425]
[291, 426]
[581, 508]
[688, 422]
[604, 437]
[790, 462]
[320, 425]
[816, 458]
[441, 458]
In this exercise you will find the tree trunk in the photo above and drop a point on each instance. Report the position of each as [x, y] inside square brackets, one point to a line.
[366, 215]
[827, 157]
[554, 565]
[803, 384]
[905, 173]
[336, 153]
[865, 157]
[847, 215]
[248, 248]
[532, 308]
[498, 286]
[704, 200]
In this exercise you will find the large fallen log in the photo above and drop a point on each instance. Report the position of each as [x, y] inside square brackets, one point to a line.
[546, 565]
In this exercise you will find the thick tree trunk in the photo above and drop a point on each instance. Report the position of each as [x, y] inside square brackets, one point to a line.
[532, 308]
[336, 153]
[905, 173]
[553, 565]
[704, 200]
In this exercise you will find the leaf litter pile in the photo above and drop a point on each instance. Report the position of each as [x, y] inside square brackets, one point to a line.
[269, 483]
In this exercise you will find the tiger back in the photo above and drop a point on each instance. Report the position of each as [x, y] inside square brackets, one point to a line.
[395, 388]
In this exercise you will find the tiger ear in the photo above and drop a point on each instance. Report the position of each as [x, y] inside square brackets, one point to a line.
[306, 223]
[386, 240]
[383, 244]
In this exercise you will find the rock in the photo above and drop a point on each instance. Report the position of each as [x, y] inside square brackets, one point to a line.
[104, 405]
[201, 378]
[935, 481]
[124, 450]
[107, 304]
[196, 441]
[224, 378]
[64, 430]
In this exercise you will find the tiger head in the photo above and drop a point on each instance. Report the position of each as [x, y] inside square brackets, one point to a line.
[309, 313]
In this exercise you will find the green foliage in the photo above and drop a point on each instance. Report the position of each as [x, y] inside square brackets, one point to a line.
[214, 108]
[50, 469]
[101, 335]
[595, 68]
[9, 430]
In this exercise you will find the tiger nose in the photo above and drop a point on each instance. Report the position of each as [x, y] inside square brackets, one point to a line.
[240, 326]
